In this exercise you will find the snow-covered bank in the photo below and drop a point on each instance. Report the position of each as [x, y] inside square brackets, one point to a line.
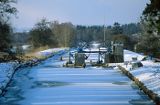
[149, 74]
[6, 72]
[128, 55]
[7, 69]
[49, 52]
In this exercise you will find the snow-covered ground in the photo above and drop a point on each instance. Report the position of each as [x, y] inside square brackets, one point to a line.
[149, 74]
[128, 55]
[7, 69]
[49, 52]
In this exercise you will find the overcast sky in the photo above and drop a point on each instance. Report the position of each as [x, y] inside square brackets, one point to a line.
[82, 12]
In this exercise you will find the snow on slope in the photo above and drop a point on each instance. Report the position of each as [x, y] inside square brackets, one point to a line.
[50, 51]
[129, 54]
[7, 69]
[149, 74]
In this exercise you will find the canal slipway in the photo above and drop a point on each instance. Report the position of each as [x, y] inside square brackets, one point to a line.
[51, 84]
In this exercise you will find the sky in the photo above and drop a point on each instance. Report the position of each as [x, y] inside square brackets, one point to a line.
[79, 12]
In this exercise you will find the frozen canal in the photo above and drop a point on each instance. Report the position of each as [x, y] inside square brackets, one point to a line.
[51, 84]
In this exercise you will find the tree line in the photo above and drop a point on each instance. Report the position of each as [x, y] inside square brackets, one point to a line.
[52, 34]
[55, 34]
[143, 36]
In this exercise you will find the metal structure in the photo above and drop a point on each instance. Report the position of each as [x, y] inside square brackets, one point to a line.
[113, 54]
[79, 60]
[117, 53]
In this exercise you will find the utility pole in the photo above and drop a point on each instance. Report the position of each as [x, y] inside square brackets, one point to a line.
[104, 34]
[104, 30]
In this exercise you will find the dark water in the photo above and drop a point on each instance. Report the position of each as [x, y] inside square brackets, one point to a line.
[51, 84]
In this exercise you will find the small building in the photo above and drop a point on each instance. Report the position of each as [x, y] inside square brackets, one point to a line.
[116, 54]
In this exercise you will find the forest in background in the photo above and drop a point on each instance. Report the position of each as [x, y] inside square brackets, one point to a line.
[55, 34]
[142, 37]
